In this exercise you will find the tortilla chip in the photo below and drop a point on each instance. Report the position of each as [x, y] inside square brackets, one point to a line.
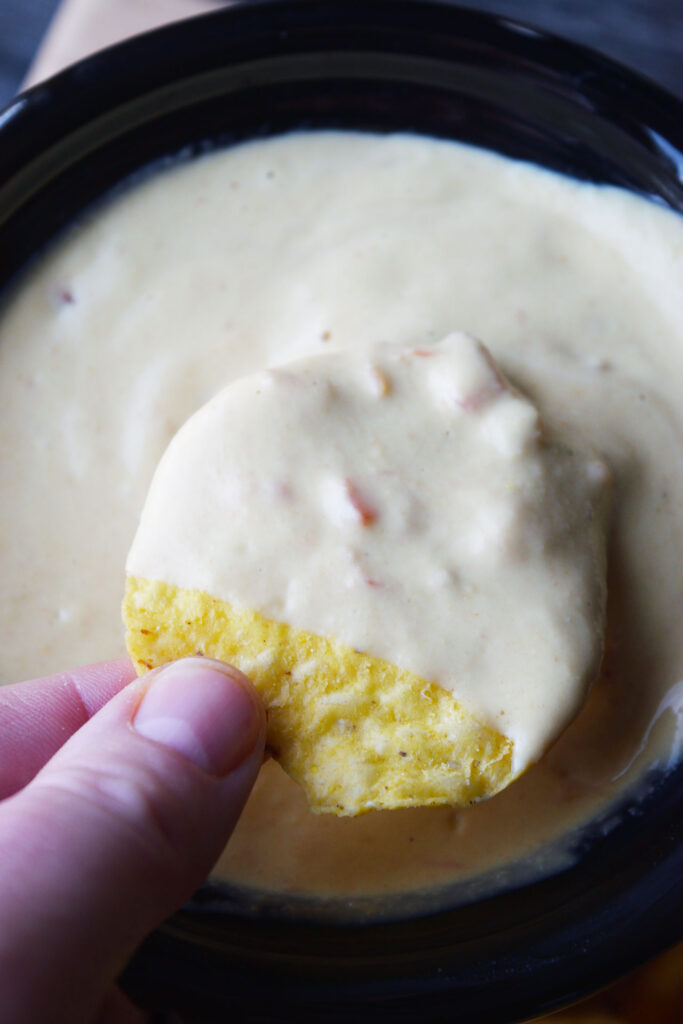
[356, 732]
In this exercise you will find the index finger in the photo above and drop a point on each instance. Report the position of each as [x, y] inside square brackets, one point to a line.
[38, 716]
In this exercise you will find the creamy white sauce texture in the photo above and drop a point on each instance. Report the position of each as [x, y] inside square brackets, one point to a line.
[288, 247]
[406, 503]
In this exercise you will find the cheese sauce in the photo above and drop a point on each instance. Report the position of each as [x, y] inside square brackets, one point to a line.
[312, 242]
[407, 503]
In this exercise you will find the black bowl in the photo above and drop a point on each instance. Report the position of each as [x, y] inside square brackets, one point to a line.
[505, 949]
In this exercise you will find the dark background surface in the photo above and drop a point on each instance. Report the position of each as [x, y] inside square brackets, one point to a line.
[645, 34]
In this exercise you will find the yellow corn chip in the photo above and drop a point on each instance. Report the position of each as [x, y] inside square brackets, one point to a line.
[355, 731]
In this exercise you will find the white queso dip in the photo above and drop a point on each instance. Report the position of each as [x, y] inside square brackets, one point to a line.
[314, 242]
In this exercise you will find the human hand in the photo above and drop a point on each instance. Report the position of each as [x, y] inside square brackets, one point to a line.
[117, 798]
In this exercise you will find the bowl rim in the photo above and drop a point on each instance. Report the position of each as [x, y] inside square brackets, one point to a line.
[30, 125]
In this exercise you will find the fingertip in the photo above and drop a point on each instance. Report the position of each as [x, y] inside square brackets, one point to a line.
[205, 711]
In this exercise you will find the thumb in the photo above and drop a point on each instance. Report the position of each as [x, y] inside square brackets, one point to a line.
[118, 829]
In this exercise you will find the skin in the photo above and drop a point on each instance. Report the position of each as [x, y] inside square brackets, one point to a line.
[117, 797]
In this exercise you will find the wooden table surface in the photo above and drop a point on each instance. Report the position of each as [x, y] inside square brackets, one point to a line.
[645, 34]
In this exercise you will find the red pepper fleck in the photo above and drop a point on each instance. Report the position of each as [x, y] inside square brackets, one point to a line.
[474, 402]
[366, 512]
[478, 399]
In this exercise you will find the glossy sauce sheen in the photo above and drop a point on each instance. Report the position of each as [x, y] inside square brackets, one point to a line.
[286, 248]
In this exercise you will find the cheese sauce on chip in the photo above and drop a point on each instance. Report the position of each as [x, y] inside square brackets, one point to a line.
[314, 242]
[404, 502]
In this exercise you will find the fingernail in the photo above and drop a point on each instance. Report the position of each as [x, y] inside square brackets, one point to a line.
[203, 710]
